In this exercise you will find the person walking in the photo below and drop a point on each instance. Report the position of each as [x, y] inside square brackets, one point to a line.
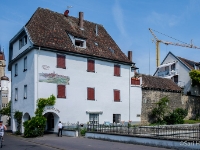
[59, 128]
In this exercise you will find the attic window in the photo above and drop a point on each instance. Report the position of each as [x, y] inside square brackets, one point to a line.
[79, 43]
[96, 43]
[112, 51]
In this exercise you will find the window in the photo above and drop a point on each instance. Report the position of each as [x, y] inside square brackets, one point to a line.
[16, 94]
[117, 95]
[16, 70]
[116, 118]
[90, 65]
[22, 41]
[173, 67]
[90, 93]
[94, 119]
[25, 64]
[25, 91]
[79, 43]
[61, 61]
[61, 91]
[176, 79]
[116, 70]
[25, 39]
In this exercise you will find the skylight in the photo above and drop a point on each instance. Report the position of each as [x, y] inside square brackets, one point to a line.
[112, 51]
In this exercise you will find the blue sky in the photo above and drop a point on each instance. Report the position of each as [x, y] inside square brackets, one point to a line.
[127, 21]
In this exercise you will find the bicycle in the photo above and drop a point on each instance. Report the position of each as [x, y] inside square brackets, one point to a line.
[1, 138]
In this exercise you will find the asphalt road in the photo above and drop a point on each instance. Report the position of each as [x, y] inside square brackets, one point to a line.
[51, 142]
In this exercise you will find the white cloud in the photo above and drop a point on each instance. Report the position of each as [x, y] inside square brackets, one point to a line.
[119, 18]
[163, 19]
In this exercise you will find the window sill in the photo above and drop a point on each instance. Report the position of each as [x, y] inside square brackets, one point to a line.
[117, 75]
[91, 71]
[61, 67]
[118, 101]
[91, 99]
[61, 96]
[24, 70]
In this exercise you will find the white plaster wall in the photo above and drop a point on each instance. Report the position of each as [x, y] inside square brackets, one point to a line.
[17, 51]
[136, 103]
[23, 78]
[74, 107]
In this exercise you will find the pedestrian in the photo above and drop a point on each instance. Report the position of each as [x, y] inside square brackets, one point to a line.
[59, 128]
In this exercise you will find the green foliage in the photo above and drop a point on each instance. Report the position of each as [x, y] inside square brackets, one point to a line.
[83, 131]
[18, 117]
[6, 111]
[160, 110]
[176, 117]
[191, 121]
[35, 127]
[195, 76]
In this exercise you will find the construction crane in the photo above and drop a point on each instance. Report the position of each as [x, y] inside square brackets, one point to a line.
[167, 43]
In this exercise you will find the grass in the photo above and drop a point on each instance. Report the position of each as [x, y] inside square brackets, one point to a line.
[191, 121]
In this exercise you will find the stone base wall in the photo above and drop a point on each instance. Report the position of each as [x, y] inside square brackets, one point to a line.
[176, 100]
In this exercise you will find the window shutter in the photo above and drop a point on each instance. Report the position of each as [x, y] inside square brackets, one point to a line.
[90, 93]
[116, 70]
[90, 65]
[61, 61]
[116, 95]
[61, 91]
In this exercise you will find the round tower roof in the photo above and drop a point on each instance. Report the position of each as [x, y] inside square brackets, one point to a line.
[4, 78]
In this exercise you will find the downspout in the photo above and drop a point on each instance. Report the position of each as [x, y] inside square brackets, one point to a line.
[129, 95]
[38, 73]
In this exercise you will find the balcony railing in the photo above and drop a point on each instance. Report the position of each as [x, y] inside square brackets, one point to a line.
[168, 73]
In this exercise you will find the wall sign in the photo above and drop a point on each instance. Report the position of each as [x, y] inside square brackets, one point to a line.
[51, 108]
[54, 78]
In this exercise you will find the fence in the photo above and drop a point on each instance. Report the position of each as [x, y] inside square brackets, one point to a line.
[181, 132]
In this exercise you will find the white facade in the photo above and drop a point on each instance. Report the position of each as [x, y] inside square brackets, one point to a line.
[181, 71]
[75, 107]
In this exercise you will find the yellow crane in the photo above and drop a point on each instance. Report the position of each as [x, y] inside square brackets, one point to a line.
[167, 43]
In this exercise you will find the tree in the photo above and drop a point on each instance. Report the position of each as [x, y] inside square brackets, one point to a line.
[195, 76]
[160, 110]
[6, 111]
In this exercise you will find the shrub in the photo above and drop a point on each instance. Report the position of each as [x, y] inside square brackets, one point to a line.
[18, 117]
[36, 125]
[176, 117]
[83, 131]
[160, 111]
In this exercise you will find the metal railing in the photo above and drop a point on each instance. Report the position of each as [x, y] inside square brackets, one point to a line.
[178, 132]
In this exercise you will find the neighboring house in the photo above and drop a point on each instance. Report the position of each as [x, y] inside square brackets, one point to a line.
[4, 93]
[155, 88]
[177, 69]
[78, 62]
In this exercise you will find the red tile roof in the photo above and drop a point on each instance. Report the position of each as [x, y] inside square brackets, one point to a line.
[188, 63]
[49, 29]
[158, 83]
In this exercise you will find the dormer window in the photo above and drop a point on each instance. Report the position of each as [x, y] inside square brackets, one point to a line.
[22, 41]
[78, 42]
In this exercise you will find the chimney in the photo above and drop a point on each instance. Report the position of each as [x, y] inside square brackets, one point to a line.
[66, 13]
[130, 55]
[81, 20]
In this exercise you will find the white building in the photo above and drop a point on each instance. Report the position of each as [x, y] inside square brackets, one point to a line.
[177, 69]
[78, 62]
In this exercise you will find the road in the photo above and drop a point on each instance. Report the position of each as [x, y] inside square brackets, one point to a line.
[51, 142]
